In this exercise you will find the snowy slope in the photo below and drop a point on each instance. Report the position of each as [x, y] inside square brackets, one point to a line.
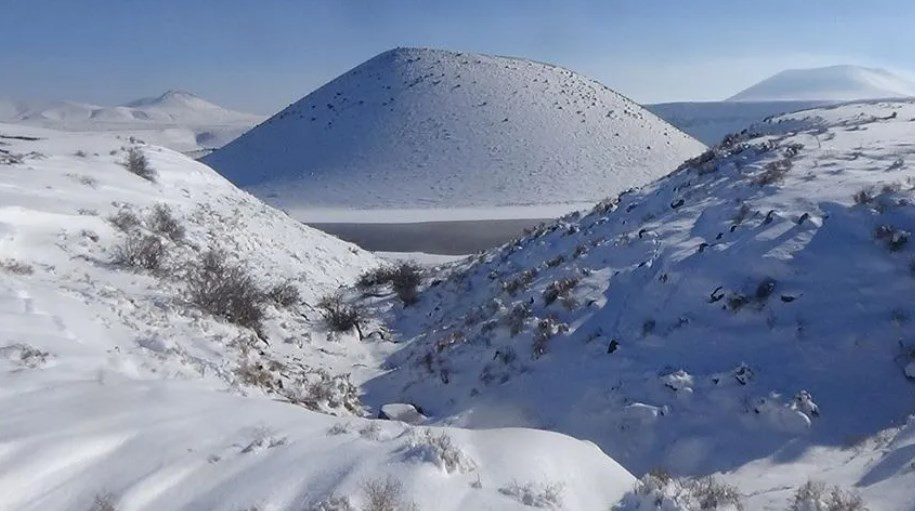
[834, 83]
[709, 122]
[419, 128]
[762, 291]
[176, 119]
[114, 386]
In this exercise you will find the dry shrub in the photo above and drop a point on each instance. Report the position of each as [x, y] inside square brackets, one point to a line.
[124, 220]
[405, 280]
[226, 290]
[163, 222]
[140, 251]
[386, 495]
[138, 164]
[341, 316]
[284, 294]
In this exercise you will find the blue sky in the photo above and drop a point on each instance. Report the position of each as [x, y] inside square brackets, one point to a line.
[261, 55]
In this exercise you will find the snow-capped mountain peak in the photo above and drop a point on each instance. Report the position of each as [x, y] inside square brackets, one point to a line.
[835, 83]
[423, 128]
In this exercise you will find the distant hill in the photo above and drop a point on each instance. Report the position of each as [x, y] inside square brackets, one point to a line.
[834, 83]
[176, 119]
[421, 128]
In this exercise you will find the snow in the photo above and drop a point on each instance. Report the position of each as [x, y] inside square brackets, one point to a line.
[114, 387]
[168, 445]
[421, 258]
[834, 83]
[176, 119]
[746, 316]
[420, 129]
[709, 122]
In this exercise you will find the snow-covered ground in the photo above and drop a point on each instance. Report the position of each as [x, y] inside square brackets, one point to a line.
[117, 392]
[421, 130]
[420, 258]
[833, 83]
[749, 316]
[176, 119]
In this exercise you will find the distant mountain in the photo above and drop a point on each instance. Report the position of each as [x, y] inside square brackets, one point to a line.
[834, 83]
[421, 128]
[175, 119]
[181, 106]
[171, 107]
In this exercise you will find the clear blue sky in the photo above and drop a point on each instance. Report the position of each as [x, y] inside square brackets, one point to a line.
[261, 55]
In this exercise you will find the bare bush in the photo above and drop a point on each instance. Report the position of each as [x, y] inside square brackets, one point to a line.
[712, 494]
[321, 391]
[441, 451]
[765, 289]
[864, 196]
[548, 496]
[386, 495]
[226, 290]
[813, 496]
[521, 282]
[375, 277]
[163, 222]
[333, 503]
[140, 251]
[124, 220]
[773, 172]
[24, 355]
[103, 502]
[284, 294]
[516, 318]
[405, 280]
[16, 267]
[664, 491]
[556, 261]
[895, 239]
[559, 289]
[341, 316]
[138, 164]
[546, 329]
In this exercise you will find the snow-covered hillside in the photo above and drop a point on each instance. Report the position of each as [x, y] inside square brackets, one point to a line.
[122, 387]
[749, 314]
[834, 83]
[711, 121]
[178, 120]
[419, 128]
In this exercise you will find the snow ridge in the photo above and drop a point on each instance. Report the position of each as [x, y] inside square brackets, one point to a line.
[759, 291]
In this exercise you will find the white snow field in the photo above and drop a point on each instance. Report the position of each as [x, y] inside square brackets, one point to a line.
[117, 392]
[833, 83]
[747, 316]
[176, 119]
[428, 130]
